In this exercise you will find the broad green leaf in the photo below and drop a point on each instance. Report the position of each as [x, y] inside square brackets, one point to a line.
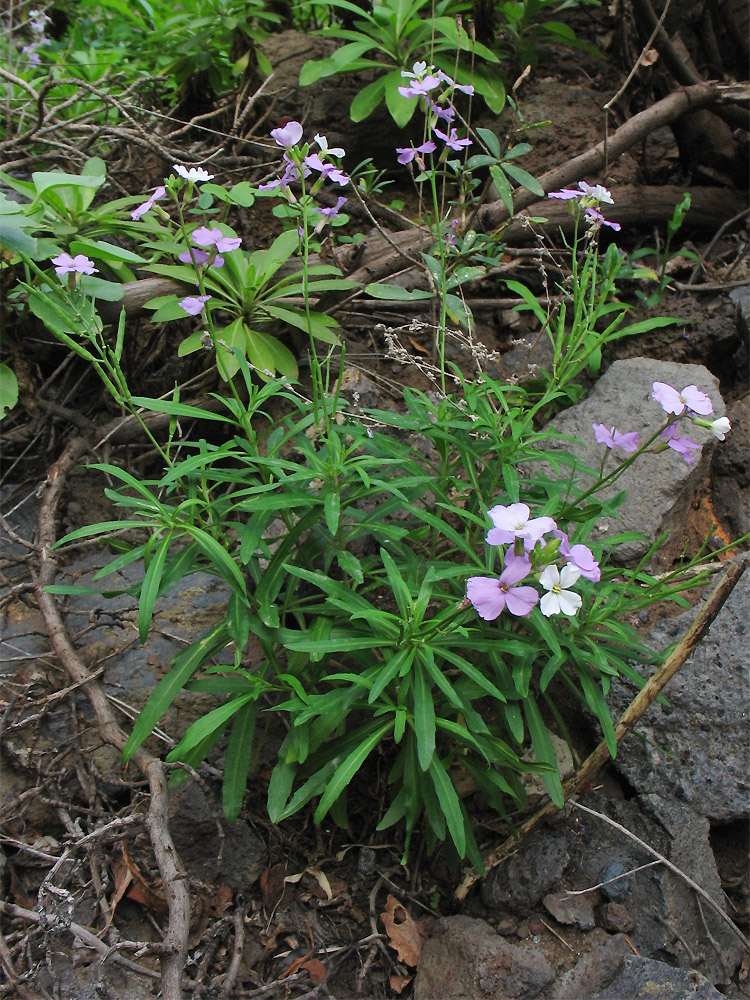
[8, 389]
[524, 178]
[367, 100]
[378, 290]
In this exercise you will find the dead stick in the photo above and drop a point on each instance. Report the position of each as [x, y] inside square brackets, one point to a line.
[645, 697]
[175, 944]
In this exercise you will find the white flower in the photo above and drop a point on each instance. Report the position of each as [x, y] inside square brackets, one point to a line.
[596, 191]
[558, 599]
[325, 148]
[193, 174]
[721, 427]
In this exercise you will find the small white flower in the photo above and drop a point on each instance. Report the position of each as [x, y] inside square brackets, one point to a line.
[193, 174]
[559, 600]
[325, 148]
[721, 427]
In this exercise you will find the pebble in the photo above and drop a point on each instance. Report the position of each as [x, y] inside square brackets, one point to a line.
[616, 891]
[617, 919]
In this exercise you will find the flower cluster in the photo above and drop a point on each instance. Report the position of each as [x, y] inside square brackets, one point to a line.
[424, 82]
[38, 21]
[696, 405]
[300, 163]
[528, 551]
[591, 197]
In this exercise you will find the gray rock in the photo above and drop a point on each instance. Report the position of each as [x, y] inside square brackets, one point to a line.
[594, 970]
[741, 300]
[465, 959]
[730, 473]
[615, 890]
[668, 921]
[521, 882]
[566, 909]
[193, 824]
[645, 979]
[697, 748]
[656, 484]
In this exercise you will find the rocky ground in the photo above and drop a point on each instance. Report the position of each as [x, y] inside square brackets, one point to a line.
[638, 888]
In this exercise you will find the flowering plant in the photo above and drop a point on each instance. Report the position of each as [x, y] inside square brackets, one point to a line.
[389, 39]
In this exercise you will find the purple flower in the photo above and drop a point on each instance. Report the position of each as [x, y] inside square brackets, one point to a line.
[65, 264]
[333, 211]
[193, 304]
[683, 446]
[205, 237]
[287, 136]
[614, 439]
[159, 192]
[420, 88]
[30, 51]
[579, 555]
[559, 600]
[490, 596]
[672, 401]
[598, 220]
[464, 88]
[515, 522]
[566, 194]
[452, 140]
[446, 114]
[193, 174]
[200, 257]
[409, 153]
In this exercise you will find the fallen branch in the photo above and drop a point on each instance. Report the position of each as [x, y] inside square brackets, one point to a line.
[175, 945]
[632, 714]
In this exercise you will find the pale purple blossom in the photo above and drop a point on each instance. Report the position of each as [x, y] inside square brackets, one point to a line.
[452, 140]
[80, 264]
[465, 88]
[333, 211]
[205, 237]
[30, 51]
[328, 171]
[200, 257]
[408, 153]
[566, 194]
[194, 174]
[612, 438]
[682, 445]
[136, 214]
[420, 88]
[579, 555]
[672, 401]
[287, 136]
[446, 114]
[515, 522]
[598, 220]
[491, 596]
[559, 599]
[193, 304]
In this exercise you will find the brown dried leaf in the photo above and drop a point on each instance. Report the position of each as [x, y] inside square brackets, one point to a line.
[403, 932]
[315, 969]
[272, 884]
[399, 983]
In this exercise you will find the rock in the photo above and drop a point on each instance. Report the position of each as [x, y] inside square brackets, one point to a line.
[193, 825]
[617, 890]
[568, 909]
[668, 920]
[740, 297]
[697, 747]
[594, 970]
[730, 473]
[465, 960]
[644, 979]
[520, 883]
[532, 783]
[616, 918]
[660, 487]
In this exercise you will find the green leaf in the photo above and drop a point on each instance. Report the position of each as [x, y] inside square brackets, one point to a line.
[99, 250]
[177, 409]
[367, 100]
[185, 665]
[8, 389]
[491, 141]
[424, 717]
[524, 178]
[544, 750]
[346, 771]
[394, 293]
[204, 727]
[450, 805]
[150, 588]
[504, 190]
